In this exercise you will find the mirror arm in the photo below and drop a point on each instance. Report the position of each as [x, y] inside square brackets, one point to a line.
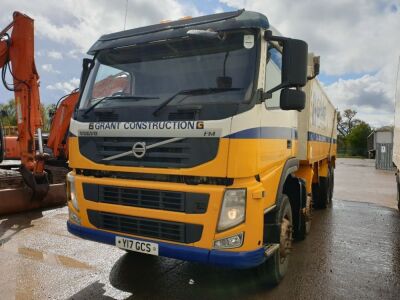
[268, 36]
[311, 77]
[277, 88]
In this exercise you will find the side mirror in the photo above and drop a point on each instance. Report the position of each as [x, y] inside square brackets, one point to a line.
[294, 61]
[87, 65]
[292, 99]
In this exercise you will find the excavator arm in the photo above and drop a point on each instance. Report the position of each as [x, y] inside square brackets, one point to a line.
[17, 55]
[57, 141]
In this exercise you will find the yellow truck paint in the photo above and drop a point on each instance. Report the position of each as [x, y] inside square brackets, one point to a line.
[264, 153]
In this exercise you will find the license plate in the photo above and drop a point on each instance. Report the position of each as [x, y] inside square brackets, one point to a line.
[137, 246]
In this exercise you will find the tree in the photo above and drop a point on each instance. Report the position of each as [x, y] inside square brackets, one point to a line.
[9, 117]
[7, 112]
[356, 140]
[347, 121]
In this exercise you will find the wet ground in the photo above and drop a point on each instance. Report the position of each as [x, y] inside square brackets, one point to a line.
[358, 180]
[352, 252]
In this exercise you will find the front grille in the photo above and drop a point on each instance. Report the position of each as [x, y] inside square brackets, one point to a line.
[183, 153]
[163, 230]
[194, 203]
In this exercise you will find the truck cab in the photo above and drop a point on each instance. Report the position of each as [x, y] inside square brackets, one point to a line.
[185, 141]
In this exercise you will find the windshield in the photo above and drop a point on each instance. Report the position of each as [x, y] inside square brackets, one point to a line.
[155, 72]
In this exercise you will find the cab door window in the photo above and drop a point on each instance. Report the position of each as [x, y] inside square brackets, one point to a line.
[273, 75]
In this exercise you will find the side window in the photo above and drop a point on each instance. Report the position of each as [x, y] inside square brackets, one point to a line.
[110, 81]
[273, 76]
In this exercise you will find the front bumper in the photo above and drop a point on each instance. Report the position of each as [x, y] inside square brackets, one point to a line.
[237, 260]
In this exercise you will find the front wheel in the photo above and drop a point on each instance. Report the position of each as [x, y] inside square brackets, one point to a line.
[275, 268]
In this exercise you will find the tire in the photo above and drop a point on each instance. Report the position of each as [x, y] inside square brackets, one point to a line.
[305, 222]
[331, 185]
[275, 268]
[321, 192]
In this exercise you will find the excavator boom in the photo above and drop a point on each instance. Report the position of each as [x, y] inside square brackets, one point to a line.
[57, 141]
[17, 55]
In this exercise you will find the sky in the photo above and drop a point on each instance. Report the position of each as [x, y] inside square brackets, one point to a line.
[358, 40]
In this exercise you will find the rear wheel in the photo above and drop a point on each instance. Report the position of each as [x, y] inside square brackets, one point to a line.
[321, 192]
[275, 268]
[331, 184]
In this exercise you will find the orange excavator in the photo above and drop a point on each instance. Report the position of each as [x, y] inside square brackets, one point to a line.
[17, 56]
[58, 140]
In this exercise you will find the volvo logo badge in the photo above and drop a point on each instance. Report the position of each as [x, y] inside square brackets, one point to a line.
[139, 149]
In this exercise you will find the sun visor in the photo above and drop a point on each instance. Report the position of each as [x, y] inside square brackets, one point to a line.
[164, 31]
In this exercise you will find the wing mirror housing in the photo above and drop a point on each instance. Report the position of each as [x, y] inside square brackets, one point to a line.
[292, 99]
[87, 65]
[294, 71]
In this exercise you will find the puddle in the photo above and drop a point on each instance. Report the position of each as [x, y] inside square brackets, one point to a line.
[48, 258]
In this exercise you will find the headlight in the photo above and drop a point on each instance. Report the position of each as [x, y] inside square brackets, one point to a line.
[71, 190]
[233, 209]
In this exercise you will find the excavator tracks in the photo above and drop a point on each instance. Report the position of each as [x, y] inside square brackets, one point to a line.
[10, 179]
[16, 197]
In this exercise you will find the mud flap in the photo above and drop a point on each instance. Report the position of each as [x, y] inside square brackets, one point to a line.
[272, 233]
[39, 184]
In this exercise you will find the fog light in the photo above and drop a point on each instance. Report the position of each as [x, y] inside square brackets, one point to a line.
[73, 217]
[234, 241]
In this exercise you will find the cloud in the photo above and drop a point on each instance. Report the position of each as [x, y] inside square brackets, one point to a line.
[83, 22]
[66, 86]
[74, 53]
[55, 54]
[352, 37]
[368, 95]
[49, 68]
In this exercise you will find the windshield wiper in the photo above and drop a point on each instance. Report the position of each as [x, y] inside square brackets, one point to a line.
[89, 109]
[203, 91]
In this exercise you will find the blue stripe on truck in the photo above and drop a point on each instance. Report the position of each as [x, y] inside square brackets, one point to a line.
[237, 260]
[312, 136]
[285, 133]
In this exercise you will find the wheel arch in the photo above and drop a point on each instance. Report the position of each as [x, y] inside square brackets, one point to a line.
[291, 186]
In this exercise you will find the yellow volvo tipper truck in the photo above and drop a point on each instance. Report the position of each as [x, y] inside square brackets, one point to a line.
[204, 139]
[396, 135]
